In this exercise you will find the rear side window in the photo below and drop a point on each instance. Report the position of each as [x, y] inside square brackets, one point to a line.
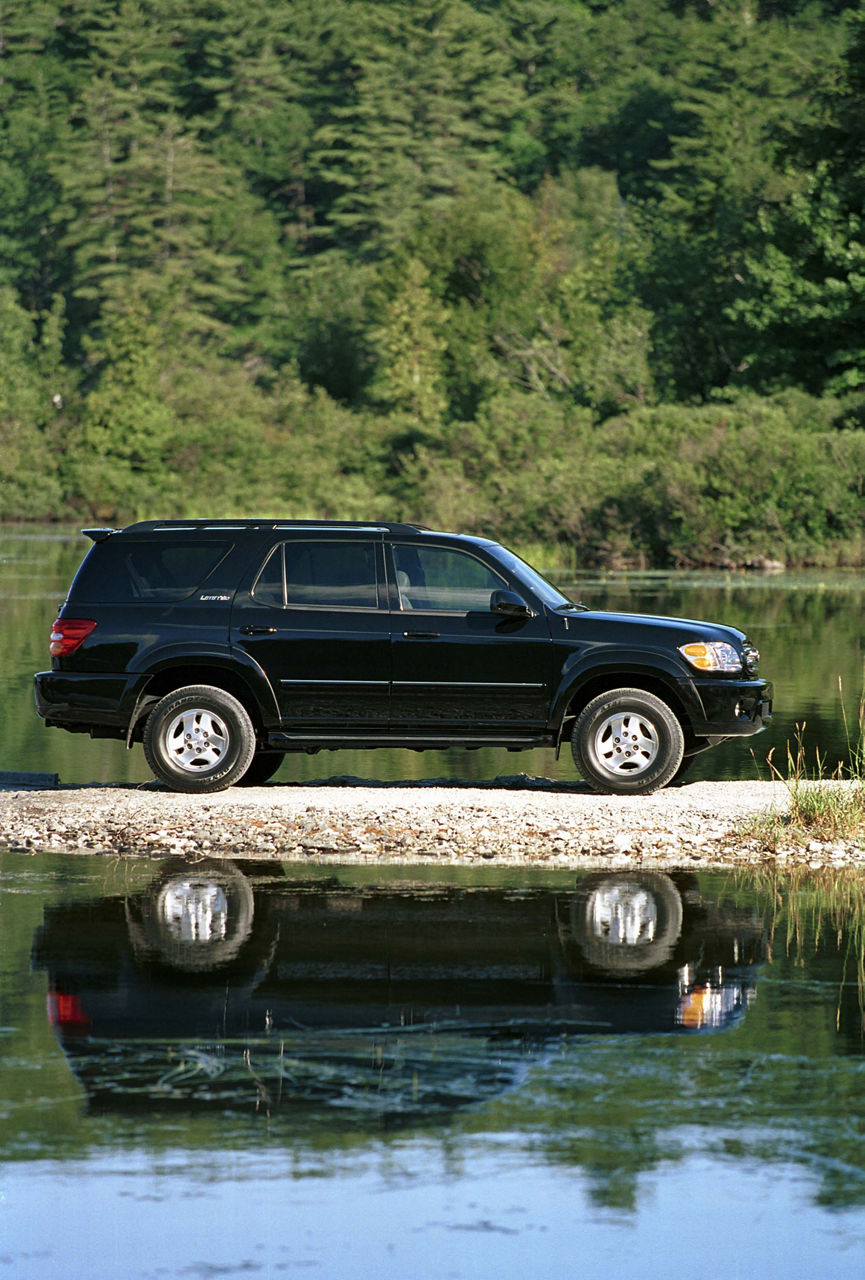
[323, 574]
[122, 572]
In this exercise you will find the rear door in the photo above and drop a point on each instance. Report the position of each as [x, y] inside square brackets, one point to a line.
[313, 615]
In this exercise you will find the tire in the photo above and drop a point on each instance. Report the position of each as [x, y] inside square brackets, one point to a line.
[264, 765]
[627, 742]
[684, 767]
[199, 739]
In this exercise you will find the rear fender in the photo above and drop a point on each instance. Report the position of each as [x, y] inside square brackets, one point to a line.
[237, 674]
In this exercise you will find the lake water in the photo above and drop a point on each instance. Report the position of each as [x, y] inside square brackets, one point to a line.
[808, 626]
[279, 1070]
[274, 1070]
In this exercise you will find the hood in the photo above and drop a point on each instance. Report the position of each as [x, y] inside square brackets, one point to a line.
[636, 628]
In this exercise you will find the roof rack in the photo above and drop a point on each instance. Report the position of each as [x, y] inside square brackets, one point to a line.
[206, 525]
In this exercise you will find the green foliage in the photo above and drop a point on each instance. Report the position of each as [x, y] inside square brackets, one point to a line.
[825, 803]
[805, 299]
[409, 346]
[118, 450]
[732, 482]
[505, 264]
[32, 389]
[427, 94]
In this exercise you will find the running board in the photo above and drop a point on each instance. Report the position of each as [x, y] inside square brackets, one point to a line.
[411, 742]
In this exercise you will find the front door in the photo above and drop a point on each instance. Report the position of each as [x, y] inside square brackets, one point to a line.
[456, 665]
[314, 618]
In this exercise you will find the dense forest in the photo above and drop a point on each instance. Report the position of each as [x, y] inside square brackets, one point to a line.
[577, 273]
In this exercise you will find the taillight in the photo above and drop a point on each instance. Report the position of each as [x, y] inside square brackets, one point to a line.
[67, 634]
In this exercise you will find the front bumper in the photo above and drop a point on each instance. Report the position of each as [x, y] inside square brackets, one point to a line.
[732, 708]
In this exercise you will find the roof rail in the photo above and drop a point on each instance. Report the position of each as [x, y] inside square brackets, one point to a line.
[152, 526]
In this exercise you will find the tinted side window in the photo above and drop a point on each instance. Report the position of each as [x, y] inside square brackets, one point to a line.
[441, 579]
[121, 572]
[270, 584]
[323, 574]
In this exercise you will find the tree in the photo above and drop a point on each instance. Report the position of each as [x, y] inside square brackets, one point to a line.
[803, 302]
[428, 95]
[33, 391]
[141, 194]
[36, 89]
[733, 87]
[117, 460]
[410, 342]
[536, 294]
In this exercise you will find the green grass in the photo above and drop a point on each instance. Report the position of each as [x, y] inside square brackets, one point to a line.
[824, 805]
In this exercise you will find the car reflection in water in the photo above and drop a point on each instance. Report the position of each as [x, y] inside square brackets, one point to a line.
[234, 986]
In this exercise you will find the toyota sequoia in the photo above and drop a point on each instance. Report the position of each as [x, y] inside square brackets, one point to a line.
[221, 645]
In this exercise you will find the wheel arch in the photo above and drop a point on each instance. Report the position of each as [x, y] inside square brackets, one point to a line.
[169, 678]
[649, 680]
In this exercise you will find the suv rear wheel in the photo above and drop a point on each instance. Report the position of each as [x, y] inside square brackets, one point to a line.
[627, 742]
[199, 739]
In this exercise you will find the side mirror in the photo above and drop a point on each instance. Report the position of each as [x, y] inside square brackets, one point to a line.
[509, 605]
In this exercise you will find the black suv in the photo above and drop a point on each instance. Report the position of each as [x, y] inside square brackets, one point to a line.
[221, 645]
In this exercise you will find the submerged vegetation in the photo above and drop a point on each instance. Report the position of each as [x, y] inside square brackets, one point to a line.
[579, 274]
[806, 912]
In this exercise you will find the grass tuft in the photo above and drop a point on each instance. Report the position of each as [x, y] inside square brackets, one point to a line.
[825, 806]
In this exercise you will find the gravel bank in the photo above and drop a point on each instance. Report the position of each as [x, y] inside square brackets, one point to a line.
[509, 822]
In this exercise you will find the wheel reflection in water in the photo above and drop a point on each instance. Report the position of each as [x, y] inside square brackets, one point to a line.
[624, 915]
[194, 910]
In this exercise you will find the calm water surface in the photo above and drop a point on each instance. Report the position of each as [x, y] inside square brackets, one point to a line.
[271, 1070]
[808, 626]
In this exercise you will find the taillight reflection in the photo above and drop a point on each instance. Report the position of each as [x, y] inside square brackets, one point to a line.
[66, 1013]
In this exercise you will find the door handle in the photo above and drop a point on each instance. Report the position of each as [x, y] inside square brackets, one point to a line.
[258, 631]
[422, 635]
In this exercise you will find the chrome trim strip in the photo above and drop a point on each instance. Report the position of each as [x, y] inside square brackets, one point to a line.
[468, 684]
[378, 683]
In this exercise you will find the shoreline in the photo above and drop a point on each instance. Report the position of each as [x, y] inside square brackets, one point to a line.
[511, 822]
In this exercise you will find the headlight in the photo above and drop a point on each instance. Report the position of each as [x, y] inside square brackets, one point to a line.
[713, 655]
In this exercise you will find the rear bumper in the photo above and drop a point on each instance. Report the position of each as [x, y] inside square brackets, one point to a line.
[82, 702]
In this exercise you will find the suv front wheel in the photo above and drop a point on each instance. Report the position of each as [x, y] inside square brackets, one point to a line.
[199, 739]
[627, 742]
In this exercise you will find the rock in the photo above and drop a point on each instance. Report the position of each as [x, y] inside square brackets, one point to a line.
[10, 781]
[533, 823]
[765, 564]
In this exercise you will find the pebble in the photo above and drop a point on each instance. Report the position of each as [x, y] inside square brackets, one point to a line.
[511, 821]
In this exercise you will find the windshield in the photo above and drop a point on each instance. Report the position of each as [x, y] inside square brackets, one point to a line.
[545, 590]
